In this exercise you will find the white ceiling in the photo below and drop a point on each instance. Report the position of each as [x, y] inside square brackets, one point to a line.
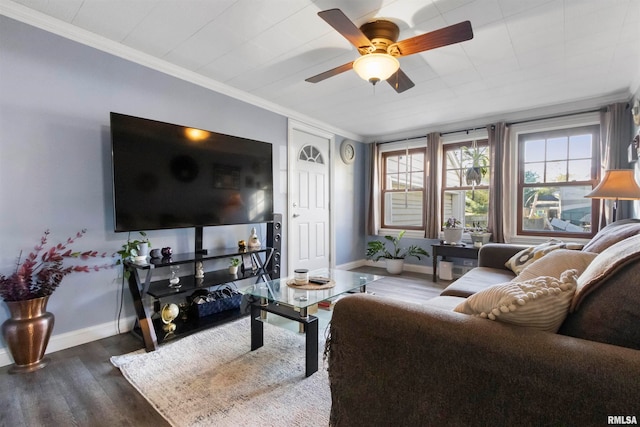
[525, 54]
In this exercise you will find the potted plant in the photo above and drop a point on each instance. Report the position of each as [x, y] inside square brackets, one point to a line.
[134, 249]
[452, 233]
[479, 235]
[479, 160]
[26, 292]
[233, 265]
[377, 249]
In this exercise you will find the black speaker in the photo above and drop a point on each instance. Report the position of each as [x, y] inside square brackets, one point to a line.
[274, 240]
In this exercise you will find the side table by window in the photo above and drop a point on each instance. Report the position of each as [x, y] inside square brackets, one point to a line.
[454, 251]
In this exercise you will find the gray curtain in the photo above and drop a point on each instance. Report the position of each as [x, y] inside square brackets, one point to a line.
[374, 188]
[615, 136]
[498, 147]
[432, 220]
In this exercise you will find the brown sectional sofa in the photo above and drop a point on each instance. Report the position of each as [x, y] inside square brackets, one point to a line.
[394, 363]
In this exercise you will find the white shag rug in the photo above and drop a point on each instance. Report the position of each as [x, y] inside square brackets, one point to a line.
[212, 378]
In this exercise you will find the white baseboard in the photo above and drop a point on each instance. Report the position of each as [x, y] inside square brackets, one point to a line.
[74, 338]
[351, 265]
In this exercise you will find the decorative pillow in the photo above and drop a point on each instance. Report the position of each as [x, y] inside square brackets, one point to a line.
[541, 303]
[556, 263]
[519, 261]
[612, 234]
[611, 313]
[605, 265]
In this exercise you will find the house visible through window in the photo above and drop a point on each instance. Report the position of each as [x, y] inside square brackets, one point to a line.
[465, 189]
[556, 170]
[403, 189]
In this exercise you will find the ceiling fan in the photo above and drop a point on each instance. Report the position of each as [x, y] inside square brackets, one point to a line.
[377, 44]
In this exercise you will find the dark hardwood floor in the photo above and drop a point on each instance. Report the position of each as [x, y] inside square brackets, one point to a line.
[80, 386]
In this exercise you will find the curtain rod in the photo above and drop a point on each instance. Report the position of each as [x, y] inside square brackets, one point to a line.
[462, 130]
[599, 110]
[402, 139]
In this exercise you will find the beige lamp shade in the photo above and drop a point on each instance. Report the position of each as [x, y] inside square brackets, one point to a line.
[619, 184]
[375, 67]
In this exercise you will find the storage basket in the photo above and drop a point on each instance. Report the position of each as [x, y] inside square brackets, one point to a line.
[219, 302]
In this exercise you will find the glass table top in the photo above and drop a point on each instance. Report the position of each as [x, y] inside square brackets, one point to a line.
[279, 291]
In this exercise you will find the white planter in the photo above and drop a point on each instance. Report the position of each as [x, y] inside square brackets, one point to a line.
[452, 236]
[143, 249]
[394, 266]
[480, 239]
[233, 269]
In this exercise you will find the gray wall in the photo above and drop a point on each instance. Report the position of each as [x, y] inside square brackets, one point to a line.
[55, 174]
[349, 207]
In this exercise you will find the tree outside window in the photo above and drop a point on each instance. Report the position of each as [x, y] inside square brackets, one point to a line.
[556, 170]
[465, 189]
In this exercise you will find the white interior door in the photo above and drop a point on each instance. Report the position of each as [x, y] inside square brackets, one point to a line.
[309, 243]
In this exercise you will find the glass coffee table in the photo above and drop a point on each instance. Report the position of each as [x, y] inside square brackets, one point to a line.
[283, 298]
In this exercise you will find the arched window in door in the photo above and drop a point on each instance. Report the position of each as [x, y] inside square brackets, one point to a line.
[311, 154]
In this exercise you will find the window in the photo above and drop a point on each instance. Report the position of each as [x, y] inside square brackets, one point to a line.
[556, 169]
[465, 188]
[403, 189]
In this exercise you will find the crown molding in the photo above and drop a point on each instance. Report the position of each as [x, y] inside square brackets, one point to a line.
[52, 25]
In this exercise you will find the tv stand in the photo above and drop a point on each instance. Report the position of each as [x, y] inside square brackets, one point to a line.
[142, 285]
[198, 244]
[265, 263]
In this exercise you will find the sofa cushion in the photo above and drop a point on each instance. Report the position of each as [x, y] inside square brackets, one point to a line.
[476, 280]
[612, 234]
[610, 313]
[605, 265]
[527, 256]
[556, 263]
[541, 303]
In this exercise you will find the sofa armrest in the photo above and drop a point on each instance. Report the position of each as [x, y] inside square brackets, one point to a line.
[495, 255]
[394, 363]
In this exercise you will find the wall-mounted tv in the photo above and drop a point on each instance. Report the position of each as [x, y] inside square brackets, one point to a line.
[171, 176]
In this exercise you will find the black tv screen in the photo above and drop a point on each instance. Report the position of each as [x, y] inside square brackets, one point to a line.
[171, 176]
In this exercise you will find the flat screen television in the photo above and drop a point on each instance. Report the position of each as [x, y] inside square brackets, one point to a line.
[171, 176]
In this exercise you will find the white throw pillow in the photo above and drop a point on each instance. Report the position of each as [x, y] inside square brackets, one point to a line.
[540, 303]
[528, 256]
[555, 263]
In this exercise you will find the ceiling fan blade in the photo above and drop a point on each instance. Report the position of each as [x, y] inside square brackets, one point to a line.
[400, 82]
[330, 73]
[346, 27]
[443, 37]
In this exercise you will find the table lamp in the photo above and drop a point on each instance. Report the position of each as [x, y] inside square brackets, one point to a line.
[617, 184]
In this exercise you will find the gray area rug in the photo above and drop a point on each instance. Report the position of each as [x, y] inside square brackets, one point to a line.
[213, 379]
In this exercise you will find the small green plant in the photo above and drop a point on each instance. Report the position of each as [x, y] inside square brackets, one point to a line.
[377, 249]
[130, 249]
[451, 223]
[479, 163]
[234, 262]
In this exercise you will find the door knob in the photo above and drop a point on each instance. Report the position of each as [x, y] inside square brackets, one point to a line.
[296, 215]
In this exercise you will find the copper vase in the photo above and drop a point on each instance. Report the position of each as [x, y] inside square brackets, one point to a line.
[27, 333]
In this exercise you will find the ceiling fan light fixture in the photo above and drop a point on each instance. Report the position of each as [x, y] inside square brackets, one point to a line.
[375, 67]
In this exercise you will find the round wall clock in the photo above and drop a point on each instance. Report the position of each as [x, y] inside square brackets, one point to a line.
[635, 111]
[347, 151]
